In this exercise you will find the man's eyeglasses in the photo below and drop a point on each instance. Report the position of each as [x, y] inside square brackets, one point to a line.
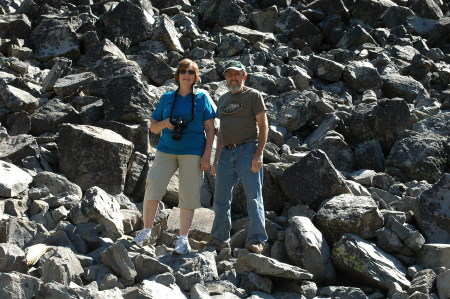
[184, 72]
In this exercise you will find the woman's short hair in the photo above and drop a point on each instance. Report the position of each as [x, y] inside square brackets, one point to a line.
[184, 64]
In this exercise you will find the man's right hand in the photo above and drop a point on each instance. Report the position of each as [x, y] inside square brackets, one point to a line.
[214, 169]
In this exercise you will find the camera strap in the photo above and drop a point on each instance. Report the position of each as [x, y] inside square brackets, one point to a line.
[193, 105]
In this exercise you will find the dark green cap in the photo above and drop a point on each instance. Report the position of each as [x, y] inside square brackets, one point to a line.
[234, 65]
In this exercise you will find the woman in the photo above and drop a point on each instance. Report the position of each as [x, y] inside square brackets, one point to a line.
[186, 119]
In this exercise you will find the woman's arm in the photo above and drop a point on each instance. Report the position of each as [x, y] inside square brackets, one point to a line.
[157, 126]
[210, 134]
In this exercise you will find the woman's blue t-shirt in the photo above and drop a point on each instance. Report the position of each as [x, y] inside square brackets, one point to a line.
[193, 138]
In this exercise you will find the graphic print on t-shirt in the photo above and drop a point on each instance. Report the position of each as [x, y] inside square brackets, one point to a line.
[231, 108]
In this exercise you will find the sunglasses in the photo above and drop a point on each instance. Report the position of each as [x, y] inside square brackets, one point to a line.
[184, 72]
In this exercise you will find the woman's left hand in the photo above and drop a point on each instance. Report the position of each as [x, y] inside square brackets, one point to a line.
[204, 163]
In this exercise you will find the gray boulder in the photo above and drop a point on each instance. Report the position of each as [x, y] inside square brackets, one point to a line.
[290, 110]
[370, 10]
[232, 45]
[307, 248]
[432, 215]
[91, 156]
[442, 285]
[18, 285]
[60, 189]
[267, 266]
[437, 124]
[127, 100]
[422, 282]
[13, 180]
[354, 37]
[396, 85]
[418, 156]
[264, 20]
[361, 75]
[15, 26]
[18, 123]
[427, 9]
[204, 262]
[17, 231]
[53, 37]
[137, 133]
[369, 155]
[48, 117]
[311, 180]
[253, 36]
[105, 48]
[128, 23]
[12, 258]
[148, 62]
[100, 207]
[18, 100]
[223, 13]
[330, 7]
[17, 148]
[326, 69]
[147, 266]
[60, 68]
[367, 263]
[166, 32]
[116, 257]
[263, 82]
[293, 24]
[337, 150]
[61, 265]
[72, 84]
[396, 15]
[348, 214]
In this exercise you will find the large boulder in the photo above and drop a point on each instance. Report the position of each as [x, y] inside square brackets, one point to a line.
[91, 156]
[432, 214]
[367, 263]
[60, 264]
[15, 26]
[128, 23]
[16, 148]
[127, 100]
[362, 75]
[307, 248]
[311, 180]
[418, 156]
[17, 231]
[223, 13]
[18, 100]
[48, 117]
[348, 214]
[18, 285]
[13, 180]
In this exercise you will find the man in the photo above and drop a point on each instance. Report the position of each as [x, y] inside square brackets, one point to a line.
[241, 140]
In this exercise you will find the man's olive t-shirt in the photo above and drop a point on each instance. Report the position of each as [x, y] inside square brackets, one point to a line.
[237, 115]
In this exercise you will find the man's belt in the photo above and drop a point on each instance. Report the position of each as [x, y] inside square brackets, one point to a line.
[232, 145]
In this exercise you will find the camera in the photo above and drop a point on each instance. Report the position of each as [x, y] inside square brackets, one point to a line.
[180, 124]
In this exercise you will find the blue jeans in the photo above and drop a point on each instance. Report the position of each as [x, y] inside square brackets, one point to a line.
[236, 164]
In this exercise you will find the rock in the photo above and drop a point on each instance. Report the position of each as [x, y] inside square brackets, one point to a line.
[166, 32]
[18, 100]
[223, 13]
[342, 292]
[427, 9]
[354, 37]
[54, 38]
[231, 45]
[60, 68]
[71, 84]
[422, 281]
[15, 26]
[348, 214]
[105, 48]
[292, 110]
[253, 36]
[361, 76]
[442, 285]
[369, 155]
[128, 23]
[395, 85]
[201, 224]
[434, 255]
[362, 259]
[57, 185]
[48, 117]
[314, 167]
[307, 248]
[339, 152]
[82, 151]
[370, 10]
[17, 231]
[253, 282]
[18, 123]
[396, 15]
[138, 134]
[225, 288]
[61, 265]
[204, 262]
[424, 151]
[437, 124]
[135, 172]
[127, 100]
[116, 257]
[18, 285]
[100, 207]
[264, 20]
[147, 266]
[326, 69]
[56, 289]
[270, 267]
[199, 291]
[148, 62]
[13, 180]
[292, 24]
[12, 258]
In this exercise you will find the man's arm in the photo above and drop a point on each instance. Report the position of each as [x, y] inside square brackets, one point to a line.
[219, 145]
[263, 129]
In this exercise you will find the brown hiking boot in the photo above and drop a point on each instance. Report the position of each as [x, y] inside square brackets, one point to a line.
[256, 247]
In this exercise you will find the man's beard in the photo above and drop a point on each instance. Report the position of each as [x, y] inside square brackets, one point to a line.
[234, 88]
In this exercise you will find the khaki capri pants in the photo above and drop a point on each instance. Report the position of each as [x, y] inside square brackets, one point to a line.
[190, 178]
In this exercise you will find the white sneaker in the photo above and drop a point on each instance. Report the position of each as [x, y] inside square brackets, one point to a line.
[182, 246]
[143, 236]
